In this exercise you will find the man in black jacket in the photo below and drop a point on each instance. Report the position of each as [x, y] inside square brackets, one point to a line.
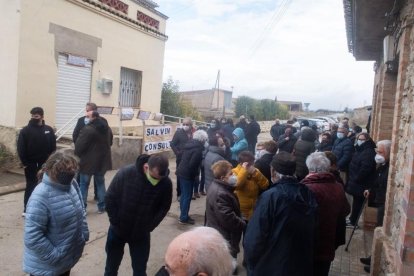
[137, 200]
[93, 147]
[81, 123]
[279, 238]
[252, 131]
[377, 193]
[35, 143]
[276, 130]
[180, 138]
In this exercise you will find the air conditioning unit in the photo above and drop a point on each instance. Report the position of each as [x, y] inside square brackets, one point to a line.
[389, 49]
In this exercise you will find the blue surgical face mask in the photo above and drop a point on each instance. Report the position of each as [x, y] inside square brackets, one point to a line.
[340, 135]
[86, 120]
[213, 125]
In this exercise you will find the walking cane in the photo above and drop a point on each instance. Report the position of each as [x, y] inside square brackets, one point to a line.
[356, 224]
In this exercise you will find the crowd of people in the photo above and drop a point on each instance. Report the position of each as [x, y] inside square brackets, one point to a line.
[286, 200]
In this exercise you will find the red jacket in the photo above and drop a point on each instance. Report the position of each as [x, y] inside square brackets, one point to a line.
[332, 205]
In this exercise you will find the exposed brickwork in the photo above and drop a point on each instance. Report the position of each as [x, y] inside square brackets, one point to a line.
[394, 248]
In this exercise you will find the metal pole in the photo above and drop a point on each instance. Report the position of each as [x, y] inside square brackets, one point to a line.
[120, 124]
[356, 223]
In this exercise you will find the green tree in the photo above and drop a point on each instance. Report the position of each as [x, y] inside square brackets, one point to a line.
[263, 110]
[173, 105]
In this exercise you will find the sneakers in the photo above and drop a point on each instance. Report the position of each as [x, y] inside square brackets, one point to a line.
[365, 261]
[23, 215]
[189, 221]
[197, 195]
[203, 193]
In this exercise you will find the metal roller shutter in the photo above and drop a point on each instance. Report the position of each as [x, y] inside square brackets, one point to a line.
[73, 90]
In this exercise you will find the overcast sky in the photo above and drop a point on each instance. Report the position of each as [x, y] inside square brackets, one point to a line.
[295, 50]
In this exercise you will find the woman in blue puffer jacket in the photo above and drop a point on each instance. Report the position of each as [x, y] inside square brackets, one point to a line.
[240, 144]
[55, 228]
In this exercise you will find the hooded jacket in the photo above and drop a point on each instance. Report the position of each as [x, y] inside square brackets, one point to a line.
[240, 144]
[213, 155]
[280, 234]
[248, 188]
[135, 207]
[223, 213]
[93, 147]
[362, 169]
[55, 229]
[332, 208]
[190, 163]
[35, 143]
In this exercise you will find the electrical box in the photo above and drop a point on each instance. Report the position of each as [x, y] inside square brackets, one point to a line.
[106, 86]
[389, 51]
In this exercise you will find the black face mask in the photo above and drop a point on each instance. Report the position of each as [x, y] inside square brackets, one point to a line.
[65, 178]
[35, 121]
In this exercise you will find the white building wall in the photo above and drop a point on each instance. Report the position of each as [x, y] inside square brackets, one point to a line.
[9, 49]
[122, 46]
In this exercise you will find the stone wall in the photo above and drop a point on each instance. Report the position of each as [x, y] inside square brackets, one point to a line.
[8, 138]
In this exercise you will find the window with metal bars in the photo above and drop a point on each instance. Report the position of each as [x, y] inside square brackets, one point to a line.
[130, 88]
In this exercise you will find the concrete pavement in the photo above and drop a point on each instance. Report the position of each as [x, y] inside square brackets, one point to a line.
[93, 258]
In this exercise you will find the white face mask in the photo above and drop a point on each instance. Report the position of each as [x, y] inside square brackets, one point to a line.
[86, 120]
[232, 180]
[205, 144]
[258, 154]
[379, 159]
[340, 135]
[186, 128]
[359, 142]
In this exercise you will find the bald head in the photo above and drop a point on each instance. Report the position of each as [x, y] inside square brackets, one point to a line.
[200, 251]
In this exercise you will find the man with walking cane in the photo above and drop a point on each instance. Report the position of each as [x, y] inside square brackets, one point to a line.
[377, 193]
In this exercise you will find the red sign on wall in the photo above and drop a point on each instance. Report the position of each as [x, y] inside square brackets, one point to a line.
[148, 20]
[116, 4]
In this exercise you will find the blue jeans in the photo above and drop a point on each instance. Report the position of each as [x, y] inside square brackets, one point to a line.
[185, 200]
[139, 251]
[85, 179]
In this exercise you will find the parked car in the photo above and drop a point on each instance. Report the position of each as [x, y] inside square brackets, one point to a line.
[319, 123]
[327, 122]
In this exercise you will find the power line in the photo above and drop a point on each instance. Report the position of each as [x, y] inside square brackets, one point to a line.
[274, 20]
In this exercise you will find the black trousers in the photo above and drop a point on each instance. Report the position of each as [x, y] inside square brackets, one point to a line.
[357, 202]
[177, 162]
[30, 173]
[321, 268]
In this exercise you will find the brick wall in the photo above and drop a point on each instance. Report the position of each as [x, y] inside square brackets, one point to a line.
[393, 246]
[383, 104]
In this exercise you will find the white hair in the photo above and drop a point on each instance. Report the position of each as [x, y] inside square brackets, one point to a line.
[211, 253]
[200, 135]
[317, 162]
[386, 144]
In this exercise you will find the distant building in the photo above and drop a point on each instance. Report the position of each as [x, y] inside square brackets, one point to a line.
[210, 103]
[292, 106]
